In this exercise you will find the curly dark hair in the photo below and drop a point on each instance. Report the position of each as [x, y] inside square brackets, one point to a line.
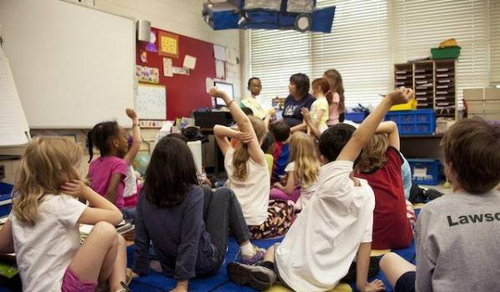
[100, 136]
[171, 173]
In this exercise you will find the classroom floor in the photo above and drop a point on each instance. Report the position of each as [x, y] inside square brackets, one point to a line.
[156, 282]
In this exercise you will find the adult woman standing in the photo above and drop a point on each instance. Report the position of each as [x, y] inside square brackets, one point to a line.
[299, 98]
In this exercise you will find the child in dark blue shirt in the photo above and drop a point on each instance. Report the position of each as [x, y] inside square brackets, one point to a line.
[187, 225]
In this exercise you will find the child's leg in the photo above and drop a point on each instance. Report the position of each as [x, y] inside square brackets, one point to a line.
[216, 215]
[281, 215]
[101, 257]
[224, 213]
[393, 266]
[277, 194]
[260, 277]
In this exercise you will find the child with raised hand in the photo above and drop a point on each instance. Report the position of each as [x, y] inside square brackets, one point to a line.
[107, 173]
[45, 224]
[457, 235]
[187, 225]
[130, 191]
[302, 172]
[335, 227]
[380, 165]
[317, 118]
[248, 173]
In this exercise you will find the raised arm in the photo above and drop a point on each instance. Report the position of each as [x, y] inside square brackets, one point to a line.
[391, 129]
[244, 126]
[367, 129]
[222, 134]
[136, 136]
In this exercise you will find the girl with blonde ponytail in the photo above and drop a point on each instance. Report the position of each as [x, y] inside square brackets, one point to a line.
[248, 173]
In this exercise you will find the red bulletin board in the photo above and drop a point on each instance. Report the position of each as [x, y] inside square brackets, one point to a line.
[184, 92]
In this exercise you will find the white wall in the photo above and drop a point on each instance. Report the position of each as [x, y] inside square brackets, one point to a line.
[178, 16]
[181, 17]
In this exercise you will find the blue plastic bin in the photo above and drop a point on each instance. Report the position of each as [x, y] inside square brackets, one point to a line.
[416, 122]
[5, 196]
[426, 171]
[357, 117]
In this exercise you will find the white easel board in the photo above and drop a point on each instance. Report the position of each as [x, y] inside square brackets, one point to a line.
[74, 66]
[151, 102]
[14, 128]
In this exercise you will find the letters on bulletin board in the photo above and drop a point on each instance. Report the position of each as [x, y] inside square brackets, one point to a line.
[169, 44]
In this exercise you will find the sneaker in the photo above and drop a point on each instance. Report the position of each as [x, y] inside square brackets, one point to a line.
[258, 256]
[257, 277]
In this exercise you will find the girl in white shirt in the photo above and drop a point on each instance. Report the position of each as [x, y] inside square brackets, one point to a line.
[43, 229]
[248, 173]
[302, 171]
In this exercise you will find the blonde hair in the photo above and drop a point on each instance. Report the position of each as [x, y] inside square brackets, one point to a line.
[47, 163]
[373, 156]
[303, 153]
[241, 154]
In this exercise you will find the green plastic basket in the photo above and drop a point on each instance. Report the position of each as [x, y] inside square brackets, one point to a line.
[445, 53]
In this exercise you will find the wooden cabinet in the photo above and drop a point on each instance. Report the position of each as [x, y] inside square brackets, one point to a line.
[434, 83]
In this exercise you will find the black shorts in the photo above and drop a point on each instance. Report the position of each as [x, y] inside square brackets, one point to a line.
[406, 283]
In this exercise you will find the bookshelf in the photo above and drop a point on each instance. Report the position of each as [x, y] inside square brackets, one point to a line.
[434, 83]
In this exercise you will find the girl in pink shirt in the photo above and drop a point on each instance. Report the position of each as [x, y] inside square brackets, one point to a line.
[336, 99]
[107, 173]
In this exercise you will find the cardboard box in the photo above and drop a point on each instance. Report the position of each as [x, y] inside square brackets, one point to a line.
[482, 94]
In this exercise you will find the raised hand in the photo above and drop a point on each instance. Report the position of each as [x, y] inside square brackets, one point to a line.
[131, 113]
[401, 95]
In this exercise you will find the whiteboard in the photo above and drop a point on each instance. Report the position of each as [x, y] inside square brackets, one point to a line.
[14, 128]
[74, 66]
[151, 102]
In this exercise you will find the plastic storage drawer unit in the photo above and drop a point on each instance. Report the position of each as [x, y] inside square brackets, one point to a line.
[5, 199]
[417, 122]
[425, 171]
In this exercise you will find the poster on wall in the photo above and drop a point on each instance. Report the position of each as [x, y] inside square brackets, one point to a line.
[169, 44]
[151, 47]
[148, 74]
[220, 70]
[168, 67]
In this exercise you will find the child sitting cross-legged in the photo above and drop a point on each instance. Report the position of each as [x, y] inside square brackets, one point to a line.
[457, 235]
[248, 173]
[45, 224]
[302, 171]
[335, 227]
[187, 225]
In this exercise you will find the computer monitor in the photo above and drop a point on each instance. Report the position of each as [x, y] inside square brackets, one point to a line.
[227, 88]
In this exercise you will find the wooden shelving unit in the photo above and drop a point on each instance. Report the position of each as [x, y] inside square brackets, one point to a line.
[433, 82]
[445, 101]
